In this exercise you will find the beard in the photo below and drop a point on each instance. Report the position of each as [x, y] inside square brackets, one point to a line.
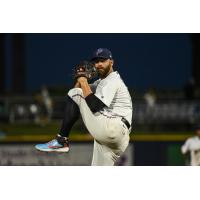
[103, 72]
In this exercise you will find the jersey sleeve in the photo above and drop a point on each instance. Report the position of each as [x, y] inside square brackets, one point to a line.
[185, 147]
[106, 92]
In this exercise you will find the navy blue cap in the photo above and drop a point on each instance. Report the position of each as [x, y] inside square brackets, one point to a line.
[102, 53]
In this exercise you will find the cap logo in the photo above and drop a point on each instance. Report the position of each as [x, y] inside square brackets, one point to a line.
[99, 51]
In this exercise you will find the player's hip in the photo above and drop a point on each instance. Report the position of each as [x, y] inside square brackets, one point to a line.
[113, 133]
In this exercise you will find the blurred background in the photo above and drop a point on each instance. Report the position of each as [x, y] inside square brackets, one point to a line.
[162, 72]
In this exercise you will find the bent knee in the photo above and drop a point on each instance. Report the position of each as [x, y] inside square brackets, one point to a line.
[75, 92]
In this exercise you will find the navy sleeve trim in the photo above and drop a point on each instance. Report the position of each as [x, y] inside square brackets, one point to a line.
[94, 103]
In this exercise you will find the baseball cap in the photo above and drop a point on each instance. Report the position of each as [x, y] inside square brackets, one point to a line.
[102, 53]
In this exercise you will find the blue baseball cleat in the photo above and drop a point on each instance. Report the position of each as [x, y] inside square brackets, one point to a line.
[60, 144]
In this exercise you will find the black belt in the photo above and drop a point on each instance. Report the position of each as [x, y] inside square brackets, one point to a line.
[126, 122]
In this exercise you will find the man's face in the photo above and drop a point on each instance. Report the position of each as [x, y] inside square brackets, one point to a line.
[103, 66]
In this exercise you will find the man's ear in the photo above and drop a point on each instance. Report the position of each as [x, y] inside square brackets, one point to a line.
[112, 62]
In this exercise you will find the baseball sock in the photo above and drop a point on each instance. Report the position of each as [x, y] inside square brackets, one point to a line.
[71, 115]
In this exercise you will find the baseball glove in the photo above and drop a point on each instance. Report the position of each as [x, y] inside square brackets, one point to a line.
[85, 69]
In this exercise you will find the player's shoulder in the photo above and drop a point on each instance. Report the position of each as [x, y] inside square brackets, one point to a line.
[116, 80]
[115, 76]
[111, 78]
[191, 139]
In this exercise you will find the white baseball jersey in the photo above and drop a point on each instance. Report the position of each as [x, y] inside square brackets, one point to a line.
[114, 94]
[192, 145]
[111, 135]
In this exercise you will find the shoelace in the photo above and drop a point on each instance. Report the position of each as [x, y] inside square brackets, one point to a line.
[51, 142]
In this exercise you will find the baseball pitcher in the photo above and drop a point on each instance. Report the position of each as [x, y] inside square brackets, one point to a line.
[105, 107]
